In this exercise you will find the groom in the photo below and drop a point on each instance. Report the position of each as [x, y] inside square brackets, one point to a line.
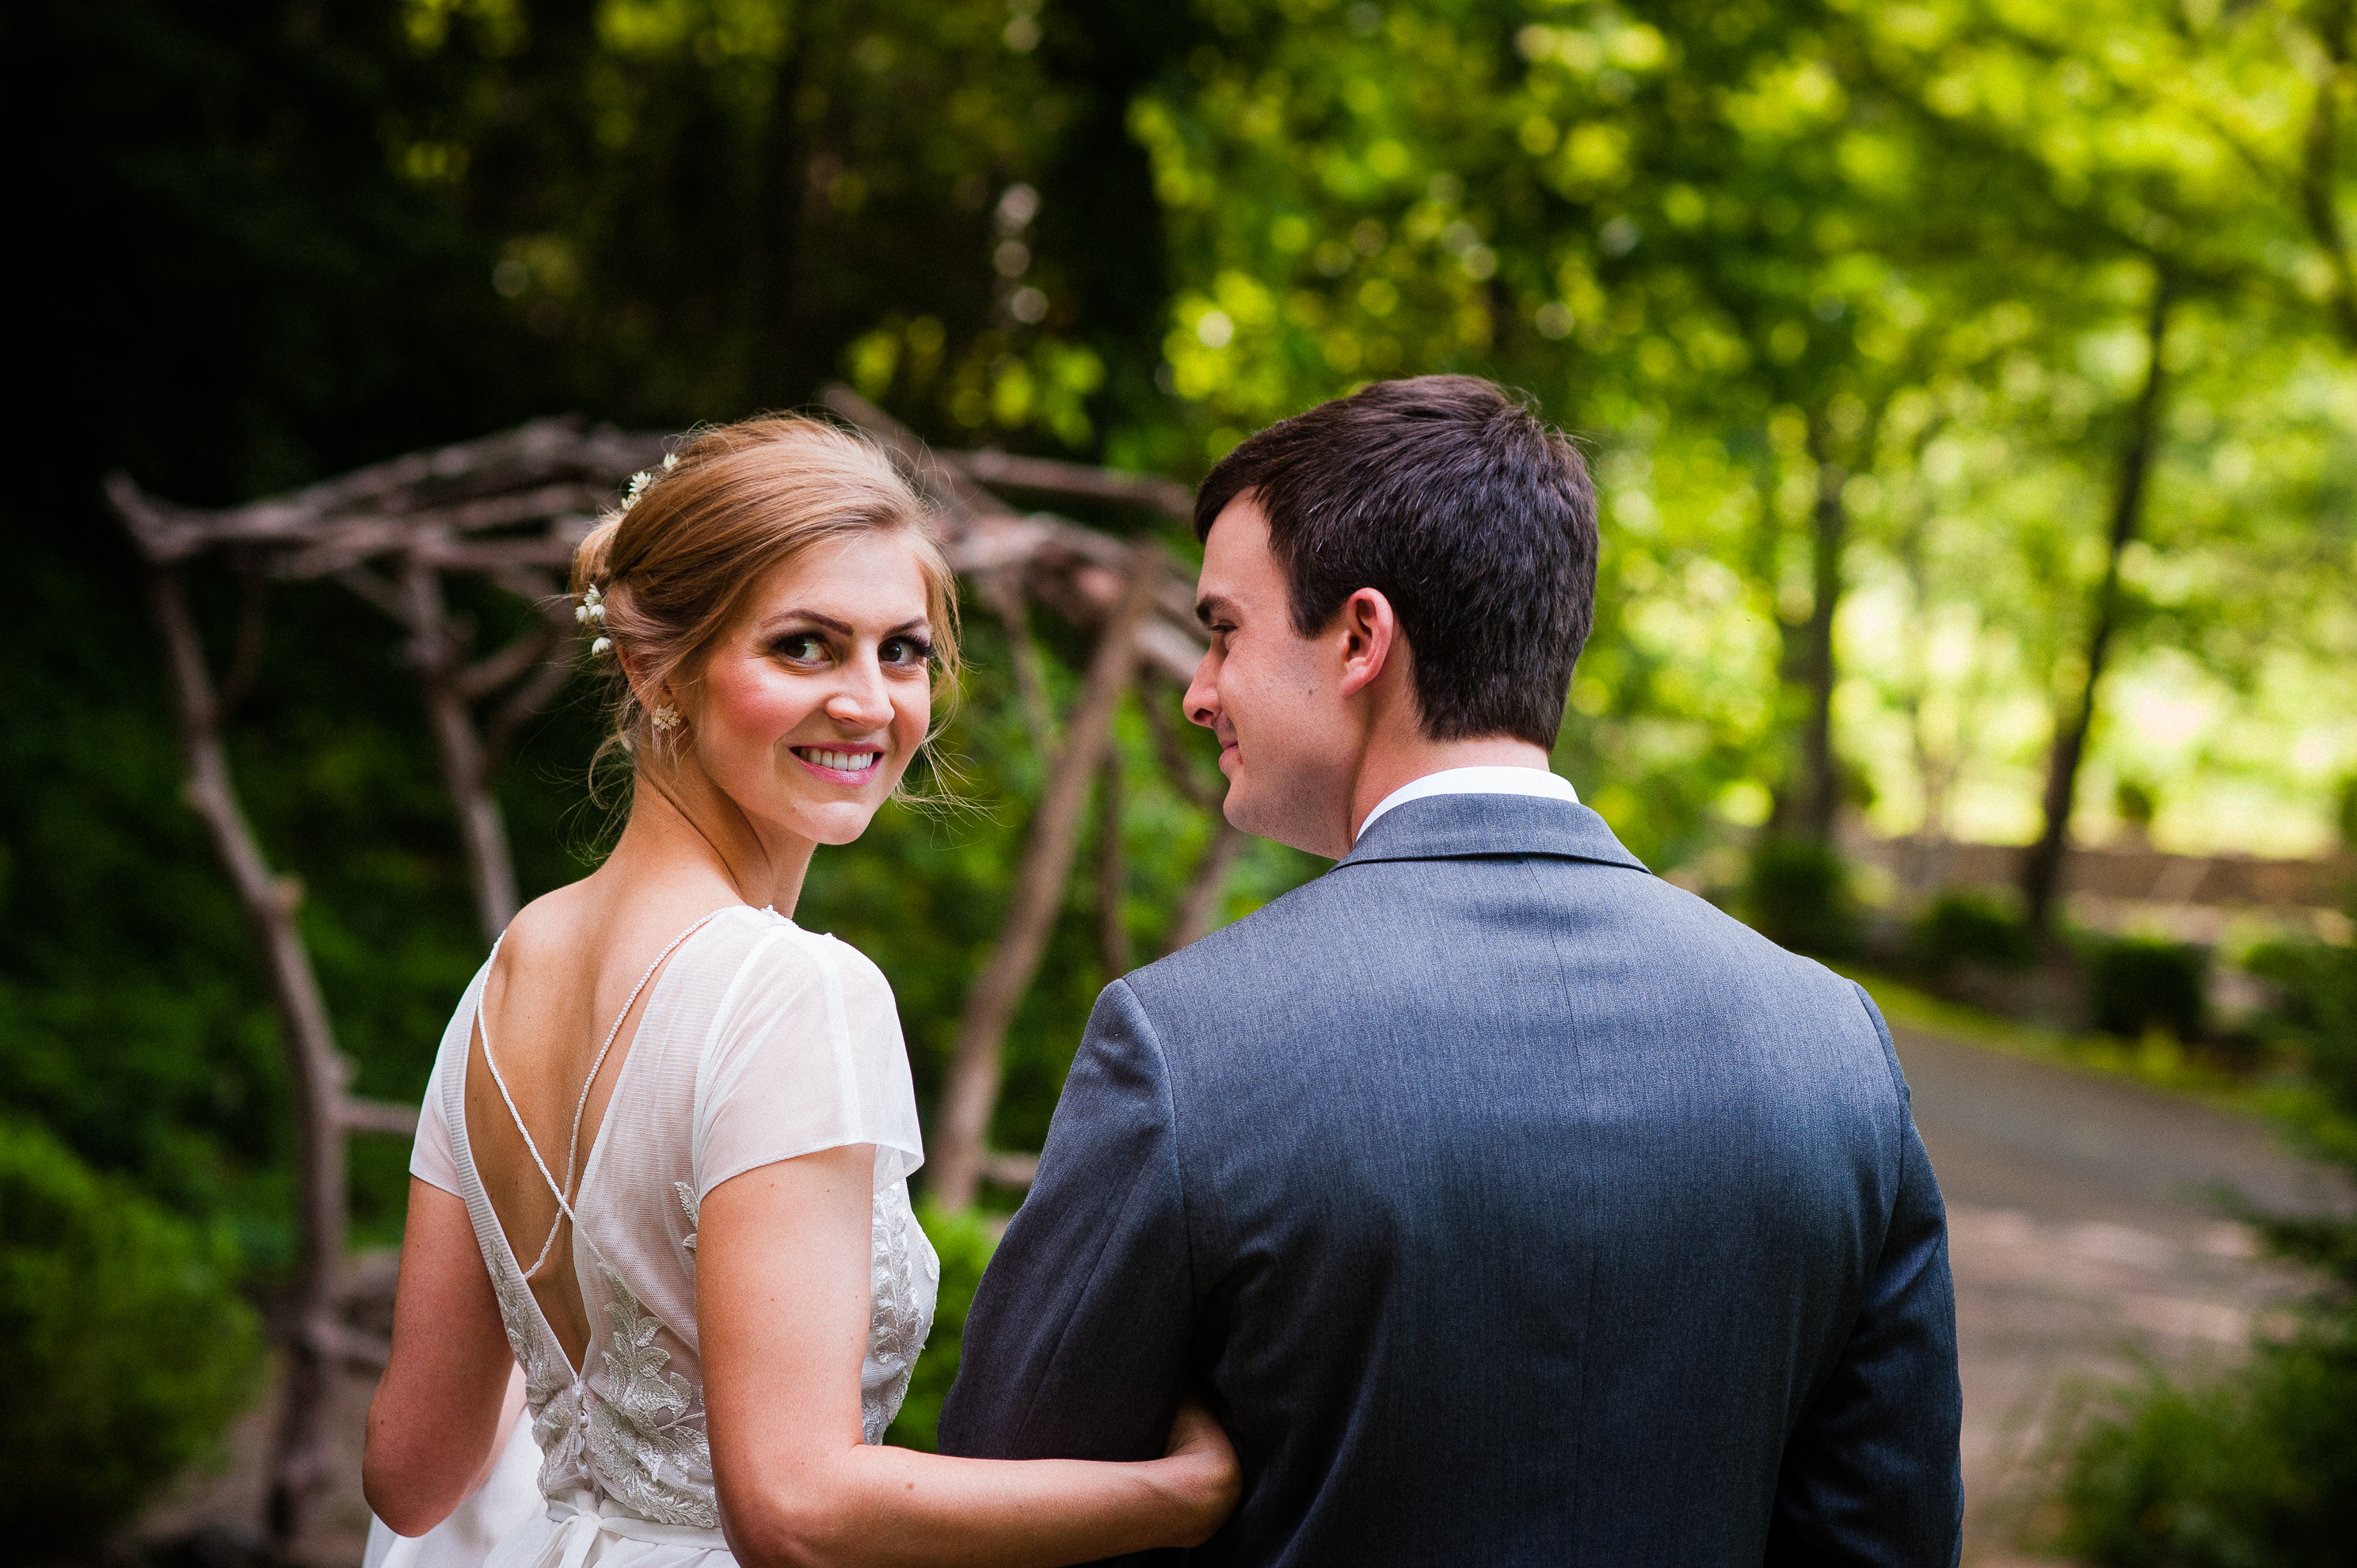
[1511, 1205]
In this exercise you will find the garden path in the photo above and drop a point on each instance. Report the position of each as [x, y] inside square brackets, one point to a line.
[2088, 1243]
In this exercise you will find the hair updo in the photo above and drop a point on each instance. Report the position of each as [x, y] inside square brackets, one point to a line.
[675, 566]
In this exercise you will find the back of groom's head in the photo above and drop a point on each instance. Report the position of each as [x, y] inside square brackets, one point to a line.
[1452, 501]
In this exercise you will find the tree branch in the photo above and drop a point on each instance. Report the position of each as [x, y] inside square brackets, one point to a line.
[1004, 596]
[1074, 481]
[972, 1094]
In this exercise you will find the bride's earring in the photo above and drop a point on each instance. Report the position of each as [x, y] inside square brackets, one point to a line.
[666, 717]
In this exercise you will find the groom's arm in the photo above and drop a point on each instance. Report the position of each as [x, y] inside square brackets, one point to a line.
[1871, 1472]
[1076, 1347]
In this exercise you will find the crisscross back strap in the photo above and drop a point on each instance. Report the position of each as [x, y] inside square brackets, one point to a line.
[561, 1191]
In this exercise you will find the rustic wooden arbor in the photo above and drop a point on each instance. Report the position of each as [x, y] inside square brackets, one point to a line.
[509, 511]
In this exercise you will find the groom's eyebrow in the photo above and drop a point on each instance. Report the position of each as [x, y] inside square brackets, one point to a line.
[1212, 607]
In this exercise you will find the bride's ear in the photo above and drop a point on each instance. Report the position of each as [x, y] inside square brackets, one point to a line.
[635, 679]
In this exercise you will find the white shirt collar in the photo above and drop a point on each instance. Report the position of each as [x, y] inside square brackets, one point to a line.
[1477, 781]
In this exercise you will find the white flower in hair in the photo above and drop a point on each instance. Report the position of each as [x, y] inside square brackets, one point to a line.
[671, 461]
[638, 483]
[602, 646]
[592, 608]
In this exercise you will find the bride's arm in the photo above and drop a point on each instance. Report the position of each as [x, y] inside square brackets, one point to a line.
[435, 1424]
[782, 1265]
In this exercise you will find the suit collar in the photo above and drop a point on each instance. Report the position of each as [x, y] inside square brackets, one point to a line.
[1456, 827]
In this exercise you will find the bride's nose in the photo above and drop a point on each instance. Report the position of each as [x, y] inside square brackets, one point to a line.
[860, 699]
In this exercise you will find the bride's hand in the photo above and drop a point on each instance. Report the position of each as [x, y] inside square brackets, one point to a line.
[1204, 1467]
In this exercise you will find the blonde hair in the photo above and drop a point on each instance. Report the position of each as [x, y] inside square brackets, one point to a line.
[675, 566]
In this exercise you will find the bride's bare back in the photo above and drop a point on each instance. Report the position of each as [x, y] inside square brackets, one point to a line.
[571, 980]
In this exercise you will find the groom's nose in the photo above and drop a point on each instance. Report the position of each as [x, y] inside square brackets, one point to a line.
[1203, 699]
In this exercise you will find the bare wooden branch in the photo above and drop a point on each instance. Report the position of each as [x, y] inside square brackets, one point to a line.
[1010, 1170]
[1074, 481]
[1200, 907]
[369, 1277]
[366, 584]
[531, 650]
[360, 1115]
[466, 772]
[958, 497]
[304, 1449]
[252, 629]
[527, 702]
[1004, 596]
[1177, 765]
[339, 1345]
[1113, 876]
[972, 1092]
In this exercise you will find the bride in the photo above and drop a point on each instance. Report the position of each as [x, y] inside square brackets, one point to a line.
[662, 1165]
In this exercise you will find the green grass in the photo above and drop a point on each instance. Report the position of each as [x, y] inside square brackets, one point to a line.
[2156, 1061]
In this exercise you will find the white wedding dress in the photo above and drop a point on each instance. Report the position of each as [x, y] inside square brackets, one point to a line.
[760, 1042]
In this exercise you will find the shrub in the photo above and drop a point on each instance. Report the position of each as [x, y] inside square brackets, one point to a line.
[1798, 894]
[2135, 983]
[965, 1242]
[131, 1347]
[1965, 927]
[2258, 1471]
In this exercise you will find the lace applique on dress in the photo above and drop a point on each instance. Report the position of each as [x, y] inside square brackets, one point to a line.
[900, 1317]
[686, 1196]
[550, 1392]
[646, 1431]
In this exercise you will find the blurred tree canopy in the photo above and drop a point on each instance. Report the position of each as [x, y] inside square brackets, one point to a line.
[1853, 305]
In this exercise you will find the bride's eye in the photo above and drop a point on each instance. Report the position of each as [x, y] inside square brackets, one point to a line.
[906, 650]
[801, 647]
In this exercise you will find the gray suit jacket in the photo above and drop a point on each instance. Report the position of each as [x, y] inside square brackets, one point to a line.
[1514, 1207]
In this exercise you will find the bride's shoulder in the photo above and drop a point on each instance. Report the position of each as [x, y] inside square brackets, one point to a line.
[549, 928]
[779, 961]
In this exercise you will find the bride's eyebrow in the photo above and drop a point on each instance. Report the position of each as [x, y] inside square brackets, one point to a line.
[812, 618]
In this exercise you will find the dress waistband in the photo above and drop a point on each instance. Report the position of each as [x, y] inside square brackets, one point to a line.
[581, 1518]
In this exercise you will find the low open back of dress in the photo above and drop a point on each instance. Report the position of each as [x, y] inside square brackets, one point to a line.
[759, 1042]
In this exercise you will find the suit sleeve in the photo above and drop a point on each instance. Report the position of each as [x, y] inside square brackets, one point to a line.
[1076, 1344]
[1871, 1471]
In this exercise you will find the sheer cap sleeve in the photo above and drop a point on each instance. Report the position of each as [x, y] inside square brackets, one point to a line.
[806, 1054]
[431, 1157]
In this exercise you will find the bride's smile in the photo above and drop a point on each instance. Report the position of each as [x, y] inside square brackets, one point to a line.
[812, 704]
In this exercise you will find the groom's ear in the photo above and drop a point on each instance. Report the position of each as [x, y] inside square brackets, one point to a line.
[1367, 635]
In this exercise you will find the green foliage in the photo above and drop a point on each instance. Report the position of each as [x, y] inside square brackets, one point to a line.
[2136, 984]
[1798, 894]
[1970, 925]
[2255, 1471]
[965, 1242]
[131, 1347]
[2258, 1469]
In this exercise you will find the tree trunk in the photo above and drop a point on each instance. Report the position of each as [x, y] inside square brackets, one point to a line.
[2042, 868]
[1200, 907]
[2319, 175]
[1818, 796]
[303, 1459]
[972, 1094]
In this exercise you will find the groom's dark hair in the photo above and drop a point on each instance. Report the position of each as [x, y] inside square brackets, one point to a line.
[1450, 499]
